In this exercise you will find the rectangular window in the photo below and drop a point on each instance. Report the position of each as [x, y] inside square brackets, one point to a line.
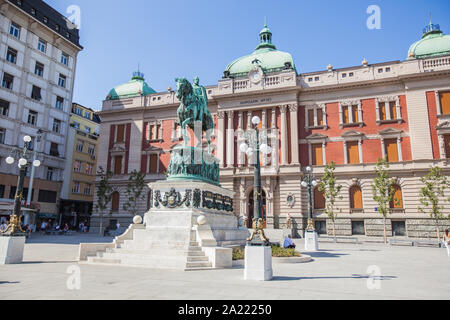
[151, 133]
[89, 168]
[39, 69]
[393, 110]
[391, 150]
[36, 93]
[30, 144]
[320, 117]
[2, 191]
[7, 81]
[159, 134]
[75, 187]
[59, 103]
[445, 102]
[355, 114]
[447, 146]
[77, 166]
[345, 115]
[4, 108]
[42, 45]
[120, 133]
[47, 196]
[317, 154]
[87, 115]
[54, 150]
[2, 135]
[56, 125]
[87, 189]
[118, 165]
[91, 150]
[153, 163]
[311, 118]
[62, 81]
[11, 55]
[353, 152]
[87, 129]
[358, 228]
[80, 146]
[50, 173]
[64, 59]
[32, 117]
[76, 125]
[14, 30]
[383, 111]
[12, 192]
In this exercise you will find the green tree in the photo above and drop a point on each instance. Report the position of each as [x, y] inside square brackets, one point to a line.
[435, 183]
[331, 191]
[135, 192]
[383, 191]
[104, 194]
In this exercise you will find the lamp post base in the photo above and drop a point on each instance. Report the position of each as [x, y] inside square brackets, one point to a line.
[311, 241]
[258, 263]
[11, 249]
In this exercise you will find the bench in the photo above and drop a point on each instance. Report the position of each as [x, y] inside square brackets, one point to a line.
[401, 242]
[340, 239]
[415, 243]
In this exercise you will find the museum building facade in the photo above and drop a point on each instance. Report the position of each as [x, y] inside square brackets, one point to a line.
[353, 116]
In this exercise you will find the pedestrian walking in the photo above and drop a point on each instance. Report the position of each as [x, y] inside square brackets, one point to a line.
[447, 242]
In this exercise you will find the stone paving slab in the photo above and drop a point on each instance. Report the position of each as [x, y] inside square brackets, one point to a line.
[338, 271]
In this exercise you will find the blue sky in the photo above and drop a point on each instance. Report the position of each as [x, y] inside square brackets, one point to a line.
[177, 38]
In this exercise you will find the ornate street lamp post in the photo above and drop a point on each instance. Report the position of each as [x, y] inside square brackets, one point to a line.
[310, 182]
[14, 228]
[253, 149]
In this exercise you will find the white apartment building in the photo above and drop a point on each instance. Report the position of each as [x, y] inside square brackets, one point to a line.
[38, 55]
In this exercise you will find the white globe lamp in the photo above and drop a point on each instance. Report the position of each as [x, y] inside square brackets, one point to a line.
[256, 120]
[9, 160]
[22, 162]
[36, 163]
[137, 219]
[27, 139]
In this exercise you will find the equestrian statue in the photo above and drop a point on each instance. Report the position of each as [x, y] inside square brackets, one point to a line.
[193, 111]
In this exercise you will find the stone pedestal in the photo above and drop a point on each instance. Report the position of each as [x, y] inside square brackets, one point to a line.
[11, 249]
[258, 263]
[311, 241]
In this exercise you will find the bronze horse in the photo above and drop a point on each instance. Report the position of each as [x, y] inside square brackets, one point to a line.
[193, 113]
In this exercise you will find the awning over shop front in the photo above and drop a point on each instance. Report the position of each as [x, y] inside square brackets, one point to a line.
[43, 215]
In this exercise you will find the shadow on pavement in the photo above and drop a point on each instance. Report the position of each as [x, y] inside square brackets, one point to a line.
[323, 254]
[74, 239]
[49, 262]
[354, 276]
[9, 282]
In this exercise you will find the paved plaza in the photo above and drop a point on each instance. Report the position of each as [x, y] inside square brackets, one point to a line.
[338, 271]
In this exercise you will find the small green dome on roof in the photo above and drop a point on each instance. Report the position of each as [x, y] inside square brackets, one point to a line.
[266, 55]
[433, 43]
[135, 87]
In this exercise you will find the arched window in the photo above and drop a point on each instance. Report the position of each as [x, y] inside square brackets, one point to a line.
[356, 197]
[319, 199]
[115, 201]
[397, 202]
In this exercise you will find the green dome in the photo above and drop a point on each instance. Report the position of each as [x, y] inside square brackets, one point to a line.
[266, 55]
[136, 87]
[433, 43]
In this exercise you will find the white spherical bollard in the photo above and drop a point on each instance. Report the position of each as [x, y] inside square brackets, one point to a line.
[137, 220]
[201, 220]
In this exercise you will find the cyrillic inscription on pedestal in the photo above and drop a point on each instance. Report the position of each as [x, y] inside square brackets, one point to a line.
[311, 241]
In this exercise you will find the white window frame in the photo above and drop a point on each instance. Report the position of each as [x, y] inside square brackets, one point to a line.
[391, 133]
[65, 59]
[349, 105]
[62, 80]
[13, 29]
[316, 107]
[42, 46]
[387, 103]
[317, 139]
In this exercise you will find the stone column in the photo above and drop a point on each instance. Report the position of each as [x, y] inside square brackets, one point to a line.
[221, 138]
[399, 149]
[230, 139]
[241, 155]
[360, 151]
[284, 138]
[345, 153]
[275, 140]
[264, 127]
[294, 133]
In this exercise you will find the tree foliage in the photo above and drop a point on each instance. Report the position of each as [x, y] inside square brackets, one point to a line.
[331, 190]
[435, 184]
[104, 193]
[135, 192]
